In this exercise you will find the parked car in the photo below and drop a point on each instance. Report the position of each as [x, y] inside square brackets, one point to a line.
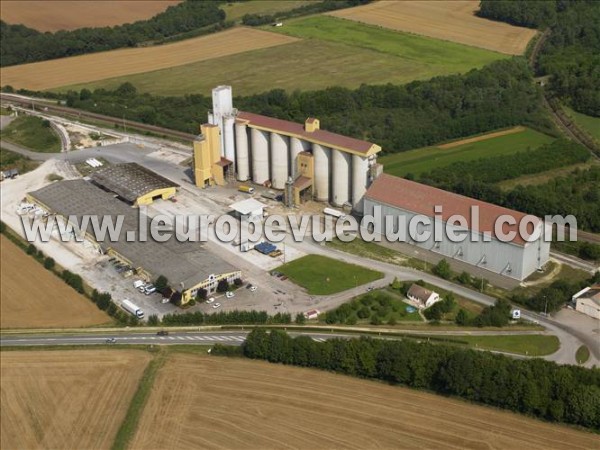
[210, 300]
[149, 289]
[162, 333]
[111, 340]
[253, 288]
[249, 286]
[216, 305]
[229, 294]
[164, 300]
[283, 278]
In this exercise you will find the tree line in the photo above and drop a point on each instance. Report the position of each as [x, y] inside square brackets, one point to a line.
[254, 20]
[535, 387]
[20, 44]
[571, 53]
[557, 154]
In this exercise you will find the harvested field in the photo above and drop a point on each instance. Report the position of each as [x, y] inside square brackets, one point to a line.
[65, 399]
[99, 66]
[483, 137]
[449, 20]
[53, 15]
[236, 11]
[33, 297]
[215, 402]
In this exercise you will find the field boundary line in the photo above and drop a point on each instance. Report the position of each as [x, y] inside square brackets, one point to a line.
[138, 403]
[483, 137]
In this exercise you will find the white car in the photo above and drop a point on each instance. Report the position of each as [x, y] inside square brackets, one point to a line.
[253, 288]
[216, 305]
[210, 300]
[229, 294]
[165, 300]
[149, 289]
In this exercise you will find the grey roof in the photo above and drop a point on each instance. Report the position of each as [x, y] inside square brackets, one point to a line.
[130, 180]
[181, 262]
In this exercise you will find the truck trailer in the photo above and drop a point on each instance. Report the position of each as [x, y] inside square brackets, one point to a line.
[131, 308]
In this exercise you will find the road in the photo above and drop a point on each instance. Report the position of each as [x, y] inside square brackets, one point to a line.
[570, 338]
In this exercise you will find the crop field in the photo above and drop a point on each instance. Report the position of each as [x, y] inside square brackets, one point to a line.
[66, 399]
[235, 11]
[53, 15]
[33, 297]
[321, 275]
[424, 159]
[217, 402]
[448, 20]
[117, 63]
[346, 54]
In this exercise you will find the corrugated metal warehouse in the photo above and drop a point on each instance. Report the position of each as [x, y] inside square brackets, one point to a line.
[398, 197]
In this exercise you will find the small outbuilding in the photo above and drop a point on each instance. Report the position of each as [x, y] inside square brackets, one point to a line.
[587, 301]
[422, 297]
[249, 209]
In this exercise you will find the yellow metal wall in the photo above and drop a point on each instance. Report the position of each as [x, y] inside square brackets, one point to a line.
[164, 193]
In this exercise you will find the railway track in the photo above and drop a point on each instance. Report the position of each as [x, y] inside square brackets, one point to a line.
[64, 110]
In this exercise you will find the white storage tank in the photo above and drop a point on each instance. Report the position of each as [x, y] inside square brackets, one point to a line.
[229, 138]
[341, 177]
[279, 160]
[242, 163]
[297, 146]
[321, 157]
[360, 177]
[260, 156]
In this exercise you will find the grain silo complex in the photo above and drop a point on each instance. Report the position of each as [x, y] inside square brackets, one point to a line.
[271, 152]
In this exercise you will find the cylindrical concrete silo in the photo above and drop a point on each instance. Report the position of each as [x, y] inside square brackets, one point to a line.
[229, 138]
[360, 172]
[321, 156]
[341, 177]
[296, 146]
[279, 160]
[242, 163]
[260, 156]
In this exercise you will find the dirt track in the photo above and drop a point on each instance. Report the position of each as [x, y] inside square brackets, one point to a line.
[214, 402]
[33, 297]
[448, 20]
[53, 15]
[99, 66]
[66, 399]
[483, 137]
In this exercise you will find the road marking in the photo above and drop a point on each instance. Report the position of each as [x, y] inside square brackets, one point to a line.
[189, 338]
[171, 338]
[238, 338]
[318, 339]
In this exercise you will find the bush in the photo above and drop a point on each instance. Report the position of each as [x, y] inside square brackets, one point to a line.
[442, 270]
[223, 286]
[192, 302]
[153, 320]
[49, 263]
[238, 282]
[31, 250]
[201, 295]
[161, 283]
[300, 319]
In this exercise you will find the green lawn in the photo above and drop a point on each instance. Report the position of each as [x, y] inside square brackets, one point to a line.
[582, 355]
[531, 345]
[320, 275]
[235, 11]
[427, 158]
[314, 63]
[587, 123]
[32, 133]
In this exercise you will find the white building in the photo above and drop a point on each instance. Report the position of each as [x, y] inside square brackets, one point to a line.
[587, 301]
[403, 200]
[422, 297]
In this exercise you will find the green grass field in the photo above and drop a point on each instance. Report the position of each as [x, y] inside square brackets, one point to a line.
[235, 11]
[531, 345]
[588, 123]
[10, 160]
[424, 159]
[32, 133]
[582, 355]
[320, 275]
[444, 55]
[335, 52]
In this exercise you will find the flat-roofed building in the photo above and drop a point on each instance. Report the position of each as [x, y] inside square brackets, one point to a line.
[402, 200]
[587, 301]
[187, 264]
[134, 183]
